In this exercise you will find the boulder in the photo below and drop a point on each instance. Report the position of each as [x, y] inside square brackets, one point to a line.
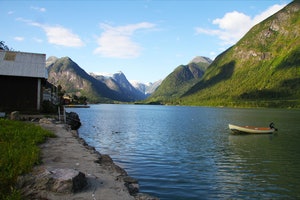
[133, 188]
[143, 196]
[107, 162]
[131, 184]
[46, 121]
[67, 180]
[73, 120]
[15, 115]
[63, 181]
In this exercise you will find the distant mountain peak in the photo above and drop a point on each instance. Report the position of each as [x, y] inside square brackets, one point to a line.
[201, 59]
[51, 60]
[103, 74]
[118, 75]
[119, 72]
[114, 76]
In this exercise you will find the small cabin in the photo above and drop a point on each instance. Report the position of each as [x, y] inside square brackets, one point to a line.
[22, 77]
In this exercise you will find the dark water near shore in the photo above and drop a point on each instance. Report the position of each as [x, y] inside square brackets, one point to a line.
[188, 152]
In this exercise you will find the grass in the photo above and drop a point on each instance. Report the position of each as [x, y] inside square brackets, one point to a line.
[19, 153]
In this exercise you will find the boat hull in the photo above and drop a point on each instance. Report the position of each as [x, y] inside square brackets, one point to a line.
[250, 129]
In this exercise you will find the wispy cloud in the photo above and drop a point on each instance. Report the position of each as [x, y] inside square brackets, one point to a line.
[117, 42]
[234, 25]
[57, 34]
[38, 9]
[19, 38]
[38, 40]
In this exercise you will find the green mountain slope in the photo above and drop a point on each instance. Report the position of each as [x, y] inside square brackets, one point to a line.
[180, 81]
[262, 69]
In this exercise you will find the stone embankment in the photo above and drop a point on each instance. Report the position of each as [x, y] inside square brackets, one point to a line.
[71, 169]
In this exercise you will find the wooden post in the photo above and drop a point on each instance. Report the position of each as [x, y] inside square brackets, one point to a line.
[65, 117]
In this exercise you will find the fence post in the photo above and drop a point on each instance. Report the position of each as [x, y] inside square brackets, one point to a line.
[58, 108]
[65, 116]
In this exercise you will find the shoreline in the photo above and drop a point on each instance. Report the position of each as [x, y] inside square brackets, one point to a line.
[68, 151]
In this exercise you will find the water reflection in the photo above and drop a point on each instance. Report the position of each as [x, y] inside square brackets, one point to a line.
[189, 153]
[265, 164]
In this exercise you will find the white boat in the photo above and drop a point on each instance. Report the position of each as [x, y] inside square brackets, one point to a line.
[252, 129]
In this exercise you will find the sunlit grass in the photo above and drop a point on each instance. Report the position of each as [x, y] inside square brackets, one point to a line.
[18, 153]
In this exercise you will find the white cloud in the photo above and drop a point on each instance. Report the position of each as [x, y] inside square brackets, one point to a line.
[38, 8]
[234, 25]
[62, 36]
[57, 34]
[18, 38]
[116, 42]
[270, 11]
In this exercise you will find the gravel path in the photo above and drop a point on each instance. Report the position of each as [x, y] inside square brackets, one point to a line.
[66, 151]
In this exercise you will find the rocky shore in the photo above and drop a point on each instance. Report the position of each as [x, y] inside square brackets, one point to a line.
[71, 169]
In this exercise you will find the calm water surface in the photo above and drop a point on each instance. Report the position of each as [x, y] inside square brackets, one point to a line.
[188, 152]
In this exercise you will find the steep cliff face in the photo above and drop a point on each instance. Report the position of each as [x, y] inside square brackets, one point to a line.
[271, 38]
[262, 69]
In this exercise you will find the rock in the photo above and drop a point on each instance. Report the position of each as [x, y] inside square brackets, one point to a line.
[131, 184]
[15, 115]
[46, 121]
[67, 180]
[41, 181]
[106, 159]
[129, 179]
[30, 183]
[107, 162]
[143, 196]
[73, 120]
[133, 188]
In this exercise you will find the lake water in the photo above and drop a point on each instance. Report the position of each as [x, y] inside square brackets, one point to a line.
[179, 152]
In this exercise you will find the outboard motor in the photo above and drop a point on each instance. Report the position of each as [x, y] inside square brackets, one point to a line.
[272, 126]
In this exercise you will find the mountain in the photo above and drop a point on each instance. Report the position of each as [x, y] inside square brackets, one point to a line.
[180, 80]
[66, 73]
[74, 80]
[119, 83]
[146, 88]
[201, 59]
[261, 70]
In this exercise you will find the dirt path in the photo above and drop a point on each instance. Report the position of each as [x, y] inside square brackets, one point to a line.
[67, 151]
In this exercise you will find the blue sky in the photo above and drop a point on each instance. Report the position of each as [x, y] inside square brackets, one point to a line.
[146, 40]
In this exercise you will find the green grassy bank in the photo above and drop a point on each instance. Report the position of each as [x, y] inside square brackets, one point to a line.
[19, 152]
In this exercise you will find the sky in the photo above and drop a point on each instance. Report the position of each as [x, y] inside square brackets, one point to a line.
[145, 39]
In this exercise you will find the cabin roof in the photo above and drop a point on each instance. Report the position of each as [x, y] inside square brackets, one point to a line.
[13, 63]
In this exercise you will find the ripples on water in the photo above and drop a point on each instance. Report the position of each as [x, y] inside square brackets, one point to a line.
[189, 153]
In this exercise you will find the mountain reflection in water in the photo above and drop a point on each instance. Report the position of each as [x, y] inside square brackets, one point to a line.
[179, 152]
